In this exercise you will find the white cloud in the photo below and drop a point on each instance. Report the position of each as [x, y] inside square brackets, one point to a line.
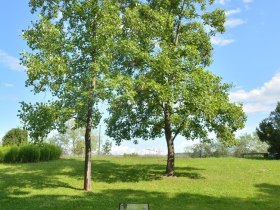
[221, 41]
[10, 61]
[234, 22]
[223, 2]
[8, 85]
[120, 150]
[247, 1]
[261, 99]
[233, 11]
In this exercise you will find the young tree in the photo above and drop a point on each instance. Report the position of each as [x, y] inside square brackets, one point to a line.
[72, 141]
[269, 130]
[106, 148]
[15, 136]
[72, 48]
[167, 90]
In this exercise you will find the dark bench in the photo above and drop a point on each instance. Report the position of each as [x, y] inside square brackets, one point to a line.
[252, 154]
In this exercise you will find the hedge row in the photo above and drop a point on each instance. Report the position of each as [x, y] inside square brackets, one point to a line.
[29, 153]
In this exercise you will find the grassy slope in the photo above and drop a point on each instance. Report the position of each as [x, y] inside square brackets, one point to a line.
[218, 183]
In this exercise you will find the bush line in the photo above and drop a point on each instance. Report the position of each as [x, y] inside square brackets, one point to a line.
[29, 153]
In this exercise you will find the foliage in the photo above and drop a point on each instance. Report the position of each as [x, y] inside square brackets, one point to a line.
[212, 183]
[47, 152]
[203, 149]
[165, 88]
[210, 149]
[72, 45]
[248, 143]
[1, 155]
[106, 148]
[72, 48]
[11, 155]
[269, 130]
[15, 136]
[29, 153]
[222, 150]
[72, 140]
[55, 151]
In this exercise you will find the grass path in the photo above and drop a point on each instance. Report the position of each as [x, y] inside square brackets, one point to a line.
[214, 183]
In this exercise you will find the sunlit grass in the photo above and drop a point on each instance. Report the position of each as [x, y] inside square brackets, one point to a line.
[214, 183]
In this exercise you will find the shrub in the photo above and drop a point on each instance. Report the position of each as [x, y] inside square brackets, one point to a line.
[11, 155]
[1, 155]
[49, 152]
[45, 152]
[55, 151]
[29, 153]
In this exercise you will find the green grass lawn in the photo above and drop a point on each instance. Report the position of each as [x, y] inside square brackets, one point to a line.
[212, 183]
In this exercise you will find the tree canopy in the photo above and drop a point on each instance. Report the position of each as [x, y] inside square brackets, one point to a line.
[269, 130]
[72, 46]
[15, 136]
[165, 88]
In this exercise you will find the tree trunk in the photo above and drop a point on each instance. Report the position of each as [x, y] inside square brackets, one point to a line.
[87, 172]
[170, 171]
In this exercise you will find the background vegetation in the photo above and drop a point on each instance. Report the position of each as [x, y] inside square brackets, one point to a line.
[246, 143]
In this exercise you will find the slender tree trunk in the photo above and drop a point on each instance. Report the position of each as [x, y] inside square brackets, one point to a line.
[87, 172]
[170, 170]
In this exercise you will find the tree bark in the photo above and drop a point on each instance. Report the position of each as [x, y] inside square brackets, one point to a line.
[170, 170]
[87, 172]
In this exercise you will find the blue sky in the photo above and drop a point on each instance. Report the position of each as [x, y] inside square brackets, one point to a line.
[247, 55]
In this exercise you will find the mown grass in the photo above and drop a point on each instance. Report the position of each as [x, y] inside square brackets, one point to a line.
[213, 183]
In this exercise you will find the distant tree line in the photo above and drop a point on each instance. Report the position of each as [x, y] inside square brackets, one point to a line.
[265, 139]
[246, 143]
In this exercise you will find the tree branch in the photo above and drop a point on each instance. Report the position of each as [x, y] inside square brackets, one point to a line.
[179, 129]
[179, 24]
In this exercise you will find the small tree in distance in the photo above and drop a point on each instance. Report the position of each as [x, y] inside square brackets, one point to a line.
[72, 140]
[15, 136]
[269, 130]
[106, 148]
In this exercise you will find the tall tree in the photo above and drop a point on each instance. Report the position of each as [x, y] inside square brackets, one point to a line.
[167, 91]
[269, 130]
[72, 47]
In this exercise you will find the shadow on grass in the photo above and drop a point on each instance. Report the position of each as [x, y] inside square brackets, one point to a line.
[44, 174]
[13, 181]
[109, 200]
[111, 172]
